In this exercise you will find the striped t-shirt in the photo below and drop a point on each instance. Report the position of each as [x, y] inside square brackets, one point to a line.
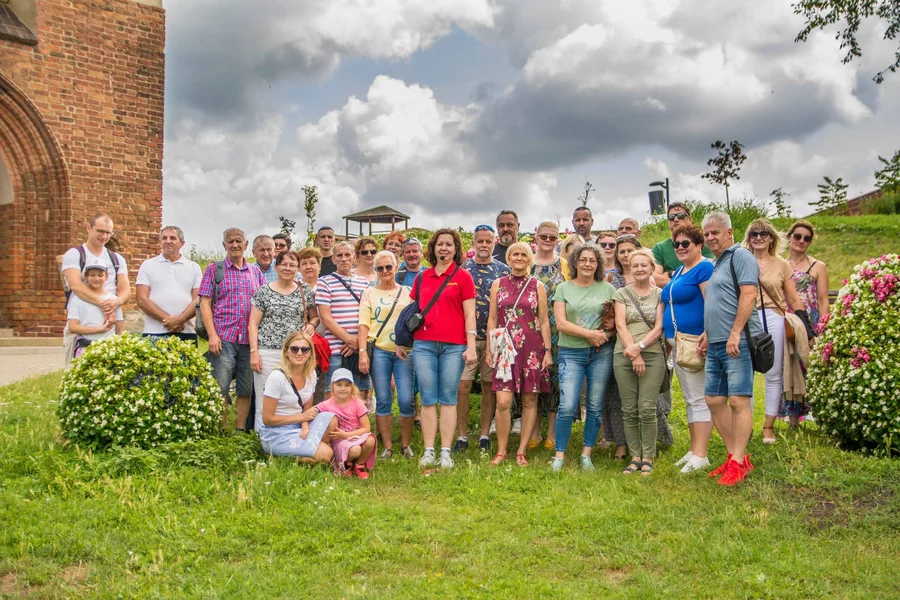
[331, 291]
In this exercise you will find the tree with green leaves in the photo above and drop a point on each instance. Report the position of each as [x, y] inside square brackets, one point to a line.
[725, 165]
[778, 201]
[586, 195]
[888, 178]
[287, 226]
[311, 198]
[832, 194]
[849, 16]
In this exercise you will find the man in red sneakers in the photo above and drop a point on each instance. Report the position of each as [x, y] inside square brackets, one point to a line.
[729, 369]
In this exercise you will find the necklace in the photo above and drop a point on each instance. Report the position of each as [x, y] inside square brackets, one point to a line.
[802, 259]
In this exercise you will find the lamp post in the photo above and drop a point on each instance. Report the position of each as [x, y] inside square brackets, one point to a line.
[665, 186]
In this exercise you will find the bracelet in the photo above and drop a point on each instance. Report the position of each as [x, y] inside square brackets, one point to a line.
[252, 350]
[472, 332]
[546, 349]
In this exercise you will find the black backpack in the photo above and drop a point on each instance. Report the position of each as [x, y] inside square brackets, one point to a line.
[82, 260]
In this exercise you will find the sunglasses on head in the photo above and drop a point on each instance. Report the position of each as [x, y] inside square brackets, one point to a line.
[758, 234]
[800, 236]
[484, 228]
[607, 244]
[300, 349]
[682, 244]
[384, 268]
[368, 252]
[626, 237]
[548, 237]
[681, 216]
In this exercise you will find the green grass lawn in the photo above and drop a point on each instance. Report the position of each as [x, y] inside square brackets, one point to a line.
[216, 519]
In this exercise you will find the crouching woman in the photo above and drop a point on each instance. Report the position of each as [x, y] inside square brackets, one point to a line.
[286, 430]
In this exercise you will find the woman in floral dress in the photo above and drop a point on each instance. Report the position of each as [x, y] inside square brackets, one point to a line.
[518, 347]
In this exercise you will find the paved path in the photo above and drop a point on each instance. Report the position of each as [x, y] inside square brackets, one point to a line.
[20, 363]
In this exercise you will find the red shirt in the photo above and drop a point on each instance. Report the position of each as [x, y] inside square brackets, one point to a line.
[446, 321]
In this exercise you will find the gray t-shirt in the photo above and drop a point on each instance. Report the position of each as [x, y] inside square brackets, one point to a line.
[721, 304]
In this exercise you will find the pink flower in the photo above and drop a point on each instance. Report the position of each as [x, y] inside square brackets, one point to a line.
[822, 323]
[470, 253]
[847, 301]
[827, 351]
[885, 286]
[860, 357]
[867, 273]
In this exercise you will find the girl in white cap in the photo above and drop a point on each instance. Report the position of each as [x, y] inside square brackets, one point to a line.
[353, 442]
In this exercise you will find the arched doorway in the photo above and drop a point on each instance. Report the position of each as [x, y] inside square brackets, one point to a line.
[34, 217]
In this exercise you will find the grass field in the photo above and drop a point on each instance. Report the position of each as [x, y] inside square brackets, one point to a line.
[216, 519]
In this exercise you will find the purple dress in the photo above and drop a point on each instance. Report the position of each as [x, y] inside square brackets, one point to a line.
[525, 330]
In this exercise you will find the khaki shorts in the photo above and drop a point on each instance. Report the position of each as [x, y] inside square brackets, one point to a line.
[487, 373]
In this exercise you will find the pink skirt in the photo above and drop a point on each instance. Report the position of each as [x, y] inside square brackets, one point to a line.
[341, 449]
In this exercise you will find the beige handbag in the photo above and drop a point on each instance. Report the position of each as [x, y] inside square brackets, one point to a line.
[685, 343]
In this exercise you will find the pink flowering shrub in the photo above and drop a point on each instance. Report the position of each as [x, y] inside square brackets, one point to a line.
[854, 370]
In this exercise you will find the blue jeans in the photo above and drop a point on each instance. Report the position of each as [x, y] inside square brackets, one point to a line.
[439, 367]
[233, 362]
[384, 364]
[574, 365]
[727, 376]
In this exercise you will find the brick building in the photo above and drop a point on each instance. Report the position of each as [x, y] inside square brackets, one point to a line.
[81, 130]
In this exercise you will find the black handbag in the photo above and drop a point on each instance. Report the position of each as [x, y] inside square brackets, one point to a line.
[762, 348]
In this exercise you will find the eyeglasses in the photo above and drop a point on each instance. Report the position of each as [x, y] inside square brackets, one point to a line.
[281, 246]
[607, 244]
[547, 237]
[368, 252]
[800, 236]
[385, 268]
[758, 234]
[681, 216]
[300, 349]
[682, 244]
[587, 261]
[484, 228]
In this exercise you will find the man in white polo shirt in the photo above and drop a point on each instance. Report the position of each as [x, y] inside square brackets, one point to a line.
[167, 287]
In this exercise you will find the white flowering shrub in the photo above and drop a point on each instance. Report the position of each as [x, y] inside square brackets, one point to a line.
[131, 391]
[854, 371]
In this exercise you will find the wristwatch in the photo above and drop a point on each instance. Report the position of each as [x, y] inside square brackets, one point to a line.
[641, 345]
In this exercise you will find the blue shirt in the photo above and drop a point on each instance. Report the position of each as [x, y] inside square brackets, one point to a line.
[408, 276]
[484, 276]
[270, 274]
[686, 299]
[720, 309]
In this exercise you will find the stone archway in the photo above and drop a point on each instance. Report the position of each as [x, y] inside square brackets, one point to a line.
[35, 217]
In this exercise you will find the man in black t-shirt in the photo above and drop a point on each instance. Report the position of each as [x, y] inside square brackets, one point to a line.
[325, 243]
[507, 231]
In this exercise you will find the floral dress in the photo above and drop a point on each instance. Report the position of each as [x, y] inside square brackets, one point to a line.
[806, 287]
[551, 276]
[521, 321]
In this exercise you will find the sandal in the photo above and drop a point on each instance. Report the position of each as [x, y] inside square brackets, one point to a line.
[387, 453]
[499, 459]
[534, 444]
[521, 460]
[632, 467]
[550, 444]
[406, 452]
[646, 468]
[603, 443]
[769, 440]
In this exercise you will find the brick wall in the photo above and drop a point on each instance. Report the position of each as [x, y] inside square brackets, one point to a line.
[81, 131]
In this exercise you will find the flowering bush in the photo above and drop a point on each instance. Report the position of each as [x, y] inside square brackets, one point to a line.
[132, 391]
[854, 372]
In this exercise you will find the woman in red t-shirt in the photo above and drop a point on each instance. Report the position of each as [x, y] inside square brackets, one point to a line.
[445, 341]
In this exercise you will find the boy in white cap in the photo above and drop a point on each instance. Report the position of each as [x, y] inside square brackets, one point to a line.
[87, 320]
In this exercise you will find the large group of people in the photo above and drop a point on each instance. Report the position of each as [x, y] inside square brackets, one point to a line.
[593, 326]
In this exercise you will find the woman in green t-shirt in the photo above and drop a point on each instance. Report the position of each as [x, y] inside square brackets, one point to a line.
[640, 360]
[584, 349]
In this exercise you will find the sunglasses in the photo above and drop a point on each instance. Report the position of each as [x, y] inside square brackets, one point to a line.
[681, 216]
[607, 244]
[682, 244]
[758, 234]
[547, 237]
[384, 268]
[300, 349]
[800, 236]
[368, 252]
[484, 228]
[281, 246]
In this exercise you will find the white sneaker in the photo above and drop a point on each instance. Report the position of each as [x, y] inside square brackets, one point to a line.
[493, 428]
[684, 459]
[427, 459]
[695, 463]
[516, 427]
[446, 462]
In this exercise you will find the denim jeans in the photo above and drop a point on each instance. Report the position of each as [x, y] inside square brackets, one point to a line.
[574, 365]
[233, 362]
[385, 364]
[439, 367]
[727, 376]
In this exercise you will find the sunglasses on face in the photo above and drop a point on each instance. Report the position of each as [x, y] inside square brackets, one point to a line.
[682, 244]
[384, 268]
[368, 252]
[281, 246]
[547, 237]
[607, 244]
[800, 236]
[681, 216]
[300, 349]
[758, 234]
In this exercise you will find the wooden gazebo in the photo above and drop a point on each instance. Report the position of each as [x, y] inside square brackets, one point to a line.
[380, 214]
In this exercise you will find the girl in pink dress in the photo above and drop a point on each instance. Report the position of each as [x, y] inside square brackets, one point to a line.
[353, 442]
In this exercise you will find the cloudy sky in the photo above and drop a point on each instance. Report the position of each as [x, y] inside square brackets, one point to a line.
[450, 110]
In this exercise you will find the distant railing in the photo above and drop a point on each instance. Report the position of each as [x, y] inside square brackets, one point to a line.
[832, 296]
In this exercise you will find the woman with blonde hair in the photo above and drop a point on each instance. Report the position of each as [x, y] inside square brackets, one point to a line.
[777, 293]
[286, 425]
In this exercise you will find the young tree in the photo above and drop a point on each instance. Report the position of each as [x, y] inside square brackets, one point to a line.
[888, 178]
[832, 194]
[725, 165]
[586, 195]
[287, 226]
[781, 208]
[822, 14]
[311, 198]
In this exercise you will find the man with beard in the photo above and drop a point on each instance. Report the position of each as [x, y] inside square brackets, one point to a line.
[508, 231]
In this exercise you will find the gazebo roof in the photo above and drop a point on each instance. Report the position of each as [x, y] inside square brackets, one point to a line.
[379, 214]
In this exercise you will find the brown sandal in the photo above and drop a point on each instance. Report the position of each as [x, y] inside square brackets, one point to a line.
[499, 459]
